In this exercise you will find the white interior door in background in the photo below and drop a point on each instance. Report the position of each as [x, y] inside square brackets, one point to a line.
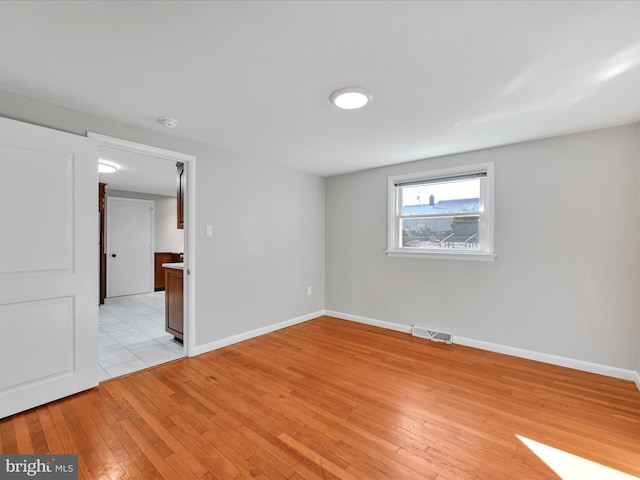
[48, 269]
[129, 246]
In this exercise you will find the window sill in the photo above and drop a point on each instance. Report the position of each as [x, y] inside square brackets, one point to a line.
[443, 255]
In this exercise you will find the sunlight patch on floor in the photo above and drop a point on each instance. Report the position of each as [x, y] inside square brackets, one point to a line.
[572, 467]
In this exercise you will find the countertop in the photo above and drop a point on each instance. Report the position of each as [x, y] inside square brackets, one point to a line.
[177, 266]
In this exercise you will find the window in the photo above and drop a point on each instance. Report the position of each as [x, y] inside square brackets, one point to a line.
[444, 213]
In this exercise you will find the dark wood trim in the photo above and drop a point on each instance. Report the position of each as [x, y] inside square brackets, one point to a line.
[181, 184]
[103, 236]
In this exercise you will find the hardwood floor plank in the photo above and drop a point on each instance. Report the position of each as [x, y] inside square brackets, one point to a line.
[36, 433]
[150, 421]
[150, 452]
[8, 436]
[130, 455]
[75, 416]
[217, 465]
[318, 459]
[95, 431]
[331, 399]
[23, 438]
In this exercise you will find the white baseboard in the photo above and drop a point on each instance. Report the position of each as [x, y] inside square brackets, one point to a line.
[208, 347]
[548, 358]
[469, 342]
[369, 321]
[507, 350]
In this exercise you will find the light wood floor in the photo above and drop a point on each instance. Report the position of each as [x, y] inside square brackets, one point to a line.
[331, 399]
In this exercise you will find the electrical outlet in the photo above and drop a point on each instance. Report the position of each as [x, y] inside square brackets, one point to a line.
[309, 290]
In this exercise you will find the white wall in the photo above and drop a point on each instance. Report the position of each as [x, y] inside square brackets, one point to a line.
[638, 261]
[565, 281]
[267, 247]
[167, 237]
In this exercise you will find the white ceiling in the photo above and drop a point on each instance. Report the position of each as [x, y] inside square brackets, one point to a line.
[253, 78]
[139, 173]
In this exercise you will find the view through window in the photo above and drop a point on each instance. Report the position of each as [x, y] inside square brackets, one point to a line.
[442, 214]
[445, 210]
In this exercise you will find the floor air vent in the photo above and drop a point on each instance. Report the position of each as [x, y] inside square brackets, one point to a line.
[434, 335]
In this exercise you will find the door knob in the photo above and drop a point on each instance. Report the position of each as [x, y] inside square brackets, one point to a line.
[113, 255]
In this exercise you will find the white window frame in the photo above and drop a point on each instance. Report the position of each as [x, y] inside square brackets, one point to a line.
[486, 250]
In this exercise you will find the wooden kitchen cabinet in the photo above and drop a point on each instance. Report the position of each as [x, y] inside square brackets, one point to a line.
[174, 302]
[158, 271]
[181, 180]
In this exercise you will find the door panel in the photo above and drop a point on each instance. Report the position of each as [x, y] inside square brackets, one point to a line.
[130, 239]
[48, 211]
[48, 272]
[52, 322]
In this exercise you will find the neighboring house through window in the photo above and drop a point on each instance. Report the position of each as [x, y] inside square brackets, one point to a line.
[443, 213]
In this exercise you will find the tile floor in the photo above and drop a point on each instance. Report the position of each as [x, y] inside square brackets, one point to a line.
[132, 335]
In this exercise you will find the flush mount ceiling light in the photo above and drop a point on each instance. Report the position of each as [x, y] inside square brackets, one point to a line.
[350, 98]
[105, 166]
[168, 122]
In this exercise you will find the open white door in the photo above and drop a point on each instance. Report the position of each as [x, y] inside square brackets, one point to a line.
[48, 266]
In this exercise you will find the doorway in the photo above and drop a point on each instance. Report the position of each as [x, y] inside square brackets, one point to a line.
[124, 310]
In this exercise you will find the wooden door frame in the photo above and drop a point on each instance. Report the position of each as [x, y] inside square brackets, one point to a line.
[103, 253]
[190, 218]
